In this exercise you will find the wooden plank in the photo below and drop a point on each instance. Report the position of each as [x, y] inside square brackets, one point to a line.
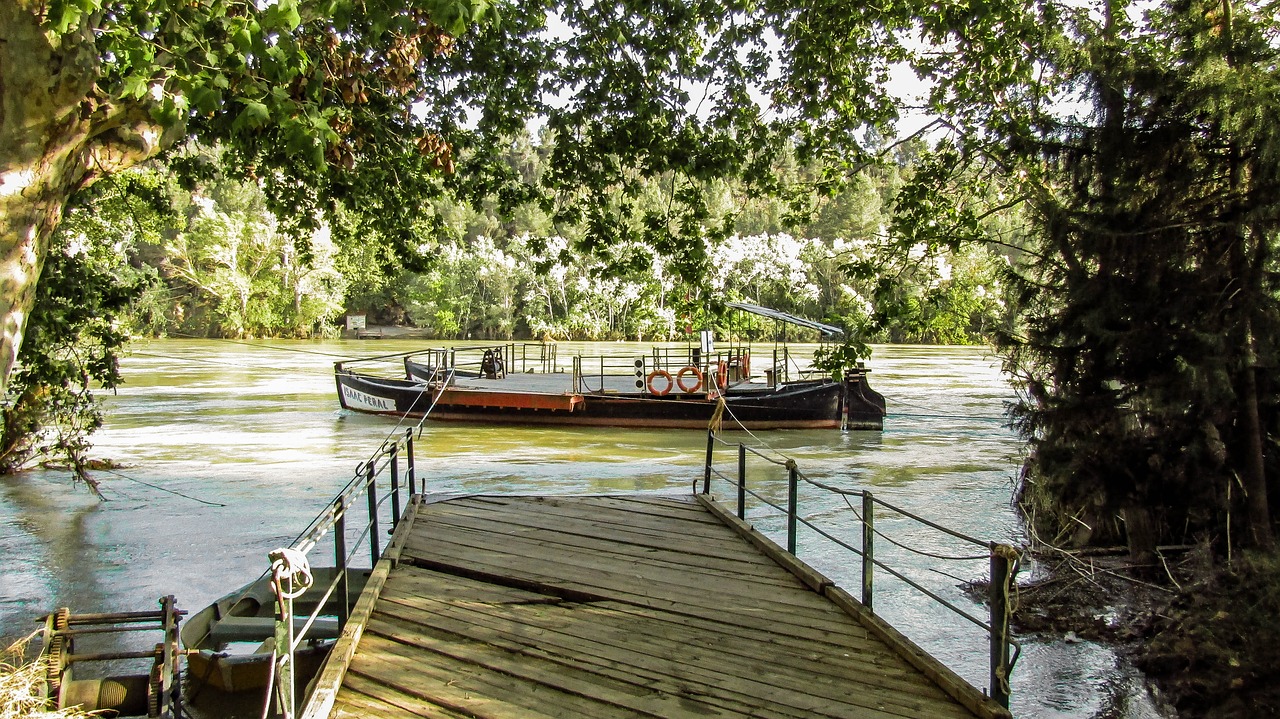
[758, 630]
[690, 557]
[648, 532]
[417, 677]
[353, 703]
[594, 520]
[564, 679]
[642, 653]
[692, 603]
[602, 579]
[843, 662]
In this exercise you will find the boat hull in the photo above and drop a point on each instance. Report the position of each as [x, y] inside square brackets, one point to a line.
[815, 404]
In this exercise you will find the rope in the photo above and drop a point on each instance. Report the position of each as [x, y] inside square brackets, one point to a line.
[290, 564]
[162, 489]
[900, 545]
[716, 425]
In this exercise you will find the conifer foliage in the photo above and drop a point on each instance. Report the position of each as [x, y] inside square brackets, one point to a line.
[1151, 317]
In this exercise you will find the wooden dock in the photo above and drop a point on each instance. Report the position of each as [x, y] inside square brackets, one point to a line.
[615, 606]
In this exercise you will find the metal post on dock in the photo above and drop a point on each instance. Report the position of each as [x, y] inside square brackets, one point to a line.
[793, 498]
[408, 452]
[340, 560]
[395, 485]
[284, 655]
[868, 548]
[706, 470]
[998, 598]
[742, 481]
[371, 486]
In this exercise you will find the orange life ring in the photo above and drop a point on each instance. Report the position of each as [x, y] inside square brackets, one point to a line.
[697, 376]
[745, 359]
[665, 375]
[722, 374]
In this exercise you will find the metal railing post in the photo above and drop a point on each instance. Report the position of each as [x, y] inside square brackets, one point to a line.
[706, 470]
[395, 485]
[742, 481]
[868, 549]
[408, 451]
[999, 601]
[371, 487]
[284, 656]
[340, 561]
[793, 492]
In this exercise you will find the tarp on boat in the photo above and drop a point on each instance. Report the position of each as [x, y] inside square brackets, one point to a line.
[825, 329]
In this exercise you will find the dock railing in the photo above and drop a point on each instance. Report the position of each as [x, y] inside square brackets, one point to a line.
[392, 465]
[1003, 558]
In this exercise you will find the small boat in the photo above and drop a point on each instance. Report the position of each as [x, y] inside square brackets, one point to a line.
[667, 388]
[230, 642]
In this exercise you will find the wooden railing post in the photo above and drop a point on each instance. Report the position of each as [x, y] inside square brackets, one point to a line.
[742, 481]
[793, 498]
[868, 549]
[371, 487]
[1001, 577]
[706, 470]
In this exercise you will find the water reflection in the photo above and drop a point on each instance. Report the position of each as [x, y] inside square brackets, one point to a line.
[230, 449]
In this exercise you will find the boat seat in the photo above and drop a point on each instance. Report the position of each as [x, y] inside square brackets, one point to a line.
[256, 629]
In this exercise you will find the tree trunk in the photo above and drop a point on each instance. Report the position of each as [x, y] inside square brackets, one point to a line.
[1255, 476]
[57, 135]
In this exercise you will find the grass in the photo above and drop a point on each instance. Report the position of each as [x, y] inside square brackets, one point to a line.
[22, 687]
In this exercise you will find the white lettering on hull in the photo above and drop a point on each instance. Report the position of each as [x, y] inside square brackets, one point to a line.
[362, 400]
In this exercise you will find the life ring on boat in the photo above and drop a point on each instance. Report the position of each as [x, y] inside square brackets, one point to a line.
[697, 379]
[663, 374]
[722, 375]
[744, 360]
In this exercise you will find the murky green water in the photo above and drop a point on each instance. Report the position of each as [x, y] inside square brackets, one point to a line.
[231, 448]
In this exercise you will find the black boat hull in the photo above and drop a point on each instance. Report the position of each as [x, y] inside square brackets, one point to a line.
[814, 404]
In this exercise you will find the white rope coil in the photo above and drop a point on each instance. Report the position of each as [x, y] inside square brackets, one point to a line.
[290, 564]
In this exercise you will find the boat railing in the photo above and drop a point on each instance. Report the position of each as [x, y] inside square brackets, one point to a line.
[1002, 558]
[391, 465]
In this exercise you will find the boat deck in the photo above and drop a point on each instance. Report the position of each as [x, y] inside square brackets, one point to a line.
[615, 606]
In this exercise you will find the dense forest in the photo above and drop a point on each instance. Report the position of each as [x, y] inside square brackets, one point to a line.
[213, 261]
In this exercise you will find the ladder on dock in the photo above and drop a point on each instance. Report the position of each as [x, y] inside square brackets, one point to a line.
[615, 606]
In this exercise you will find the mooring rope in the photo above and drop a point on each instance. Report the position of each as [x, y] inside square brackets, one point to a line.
[162, 489]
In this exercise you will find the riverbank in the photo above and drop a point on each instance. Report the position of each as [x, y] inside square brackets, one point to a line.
[1203, 631]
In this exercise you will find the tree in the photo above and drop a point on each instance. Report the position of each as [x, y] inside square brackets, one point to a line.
[379, 106]
[1149, 301]
[91, 87]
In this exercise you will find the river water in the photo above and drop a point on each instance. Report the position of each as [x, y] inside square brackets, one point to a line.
[229, 449]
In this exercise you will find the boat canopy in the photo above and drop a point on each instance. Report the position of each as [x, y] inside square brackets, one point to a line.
[825, 329]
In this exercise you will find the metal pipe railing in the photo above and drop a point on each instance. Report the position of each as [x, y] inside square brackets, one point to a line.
[291, 583]
[1003, 558]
